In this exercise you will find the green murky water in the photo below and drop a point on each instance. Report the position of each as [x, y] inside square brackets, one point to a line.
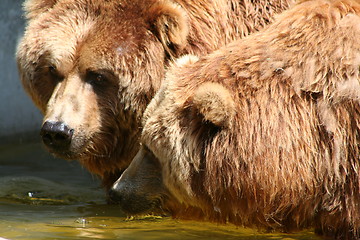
[46, 198]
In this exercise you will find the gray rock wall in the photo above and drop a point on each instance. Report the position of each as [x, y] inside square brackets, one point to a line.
[19, 118]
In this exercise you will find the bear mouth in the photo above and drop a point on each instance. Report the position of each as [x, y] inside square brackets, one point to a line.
[64, 154]
[80, 149]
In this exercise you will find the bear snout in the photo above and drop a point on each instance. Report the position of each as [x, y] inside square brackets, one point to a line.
[140, 190]
[56, 135]
[131, 202]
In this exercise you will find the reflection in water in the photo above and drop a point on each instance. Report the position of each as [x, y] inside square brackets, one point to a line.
[46, 198]
[35, 190]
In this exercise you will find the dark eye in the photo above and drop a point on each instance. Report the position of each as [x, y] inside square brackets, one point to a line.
[52, 70]
[95, 79]
[54, 73]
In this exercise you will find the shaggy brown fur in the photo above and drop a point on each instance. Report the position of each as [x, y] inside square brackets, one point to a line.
[264, 132]
[93, 66]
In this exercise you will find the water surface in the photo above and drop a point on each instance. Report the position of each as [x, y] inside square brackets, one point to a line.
[42, 197]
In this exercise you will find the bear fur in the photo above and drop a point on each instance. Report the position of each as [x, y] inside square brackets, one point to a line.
[264, 132]
[92, 66]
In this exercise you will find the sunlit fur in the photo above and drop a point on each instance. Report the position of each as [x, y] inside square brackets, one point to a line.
[132, 41]
[284, 152]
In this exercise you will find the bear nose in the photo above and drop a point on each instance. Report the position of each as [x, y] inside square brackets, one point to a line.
[56, 135]
[114, 197]
[129, 202]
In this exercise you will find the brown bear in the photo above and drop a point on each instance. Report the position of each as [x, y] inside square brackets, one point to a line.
[264, 132]
[92, 66]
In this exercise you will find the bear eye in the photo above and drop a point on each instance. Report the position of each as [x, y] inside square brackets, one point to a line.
[95, 78]
[54, 73]
[52, 70]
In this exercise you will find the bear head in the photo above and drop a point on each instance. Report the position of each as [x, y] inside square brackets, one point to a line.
[91, 67]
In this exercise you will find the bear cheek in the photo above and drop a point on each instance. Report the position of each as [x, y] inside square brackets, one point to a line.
[40, 90]
[158, 140]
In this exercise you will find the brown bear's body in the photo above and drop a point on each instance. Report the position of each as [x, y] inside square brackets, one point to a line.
[263, 132]
[92, 66]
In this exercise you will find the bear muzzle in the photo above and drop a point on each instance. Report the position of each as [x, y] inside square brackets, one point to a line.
[56, 136]
[140, 190]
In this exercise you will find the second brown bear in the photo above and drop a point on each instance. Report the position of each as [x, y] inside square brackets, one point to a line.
[264, 132]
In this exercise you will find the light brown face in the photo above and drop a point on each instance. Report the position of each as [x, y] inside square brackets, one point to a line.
[84, 67]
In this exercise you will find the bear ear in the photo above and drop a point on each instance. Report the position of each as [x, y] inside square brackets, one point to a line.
[215, 103]
[185, 60]
[33, 8]
[169, 23]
